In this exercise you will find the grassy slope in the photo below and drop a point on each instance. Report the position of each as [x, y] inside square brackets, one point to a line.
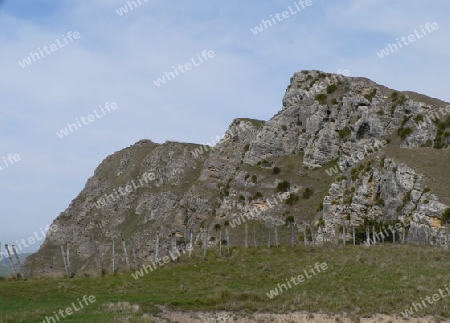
[359, 281]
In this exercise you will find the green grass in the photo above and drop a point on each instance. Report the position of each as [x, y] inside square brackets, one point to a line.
[359, 281]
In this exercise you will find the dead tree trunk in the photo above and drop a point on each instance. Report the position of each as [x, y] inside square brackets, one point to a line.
[220, 242]
[191, 246]
[336, 234]
[205, 242]
[113, 257]
[157, 247]
[174, 243]
[276, 236]
[344, 235]
[227, 231]
[135, 259]
[246, 236]
[65, 261]
[19, 266]
[126, 254]
[292, 236]
[11, 261]
[305, 238]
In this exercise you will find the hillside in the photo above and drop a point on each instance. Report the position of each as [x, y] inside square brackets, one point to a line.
[338, 149]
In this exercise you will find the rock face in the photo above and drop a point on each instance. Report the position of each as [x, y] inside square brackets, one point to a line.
[329, 124]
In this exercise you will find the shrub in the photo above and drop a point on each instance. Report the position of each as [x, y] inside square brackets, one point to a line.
[254, 178]
[334, 101]
[283, 187]
[246, 147]
[290, 219]
[349, 200]
[283, 127]
[345, 133]
[331, 88]
[257, 195]
[241, 198]
[404, 132]
[319, 207]
[308, 193]
[276, 170]
[322, 98]
[371, 95]
[426, 189]
[292, 199]
[246, 176]
[418, 118]
[405, 120]
[445, 216]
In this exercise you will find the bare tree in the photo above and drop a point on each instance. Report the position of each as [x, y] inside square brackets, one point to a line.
[227, 231]
[218, 227]
[290, 222]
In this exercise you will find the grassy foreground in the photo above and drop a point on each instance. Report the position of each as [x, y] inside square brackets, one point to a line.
[359, 281]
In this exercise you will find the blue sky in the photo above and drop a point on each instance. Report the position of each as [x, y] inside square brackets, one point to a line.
[117, 58]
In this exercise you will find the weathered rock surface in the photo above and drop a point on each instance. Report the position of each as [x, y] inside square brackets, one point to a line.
[175, 189]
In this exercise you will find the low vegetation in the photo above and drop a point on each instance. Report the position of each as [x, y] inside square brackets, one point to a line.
[360, 281]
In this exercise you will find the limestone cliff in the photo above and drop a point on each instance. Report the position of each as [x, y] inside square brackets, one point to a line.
[323, 148]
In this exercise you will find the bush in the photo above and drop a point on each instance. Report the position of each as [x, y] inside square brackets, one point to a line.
[405, 120]
[290, 219]
[404, 132]
[418, 118]
[276, 170]
[254, 178]
[257, 195]
[246, 147]
[345, 133]
[283, 127]
[319, 207]
[308, 193]
[371, 95]
[331, 88]
[283, 187]
[334, 101]
[445, 216]
[322, 98]
[292, 199]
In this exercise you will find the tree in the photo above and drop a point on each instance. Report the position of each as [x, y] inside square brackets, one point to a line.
[290, 222]
[227, 225]
[445, 216]
[283, 187]
[217, 227]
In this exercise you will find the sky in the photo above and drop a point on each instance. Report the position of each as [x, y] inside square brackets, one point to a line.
[103, 62]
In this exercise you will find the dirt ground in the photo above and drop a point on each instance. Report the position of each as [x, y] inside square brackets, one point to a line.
[296, 317]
